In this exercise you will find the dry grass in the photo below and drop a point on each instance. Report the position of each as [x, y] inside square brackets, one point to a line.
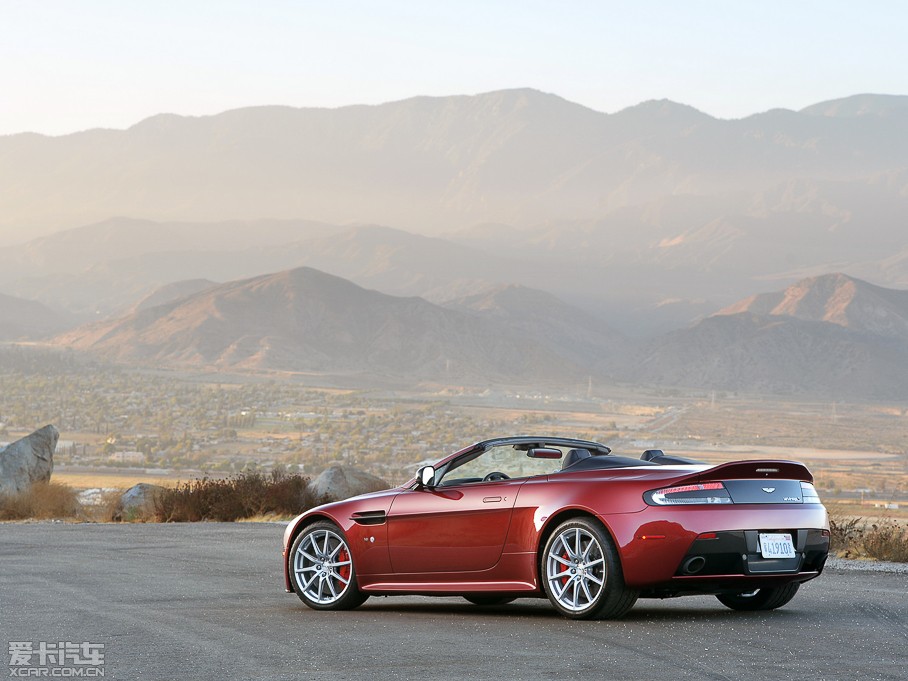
[269, 518]
[42, 501]
[108, 510]
[887, 541]
[855, 537]
[119, 480]
[248, 495]
[845, 531]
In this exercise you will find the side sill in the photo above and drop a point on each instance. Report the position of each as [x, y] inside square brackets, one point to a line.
[450, 588]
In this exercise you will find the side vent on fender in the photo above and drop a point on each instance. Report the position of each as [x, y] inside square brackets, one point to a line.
[369, 517]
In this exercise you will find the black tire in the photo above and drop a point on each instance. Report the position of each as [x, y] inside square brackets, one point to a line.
[762, 599]
[577, 557]
[476, 599]
[322, 571]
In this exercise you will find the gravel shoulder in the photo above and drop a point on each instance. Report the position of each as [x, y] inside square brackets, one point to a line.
[849, 564]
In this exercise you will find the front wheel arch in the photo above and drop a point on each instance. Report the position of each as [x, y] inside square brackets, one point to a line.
[331, 567]
[306, 522]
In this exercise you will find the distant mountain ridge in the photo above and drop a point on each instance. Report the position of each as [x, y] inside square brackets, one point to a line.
[98, 270]
[28, 319]
[430, 163]
[306, 320]
[584, 339]
[837, 299]
[821, 336]
[860, 105]
[832, 335]
[443, 197]
[171, 292]
[775, 354]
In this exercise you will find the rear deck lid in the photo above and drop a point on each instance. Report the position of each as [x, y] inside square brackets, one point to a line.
[764, 491]
[759, 482]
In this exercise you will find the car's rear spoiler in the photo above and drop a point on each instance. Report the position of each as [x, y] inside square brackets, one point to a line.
[735, 470]
[755, 470]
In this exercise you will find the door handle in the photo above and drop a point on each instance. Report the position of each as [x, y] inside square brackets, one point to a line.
[490, 500]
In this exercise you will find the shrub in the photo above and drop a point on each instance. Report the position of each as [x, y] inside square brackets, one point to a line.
[241, 496]
[42, 501]
[845, 532]
[852, 537]
[887, 541]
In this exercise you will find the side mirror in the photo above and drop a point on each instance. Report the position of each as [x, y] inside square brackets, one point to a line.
[425, 476]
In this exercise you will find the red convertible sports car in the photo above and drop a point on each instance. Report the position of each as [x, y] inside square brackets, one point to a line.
[566, 519]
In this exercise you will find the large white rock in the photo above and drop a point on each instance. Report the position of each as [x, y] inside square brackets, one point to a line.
[137, 501]
[27, 461]
[338, 483]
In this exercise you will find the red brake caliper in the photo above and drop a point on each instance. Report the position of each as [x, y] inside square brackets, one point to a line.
[564, 580]
[344, 570]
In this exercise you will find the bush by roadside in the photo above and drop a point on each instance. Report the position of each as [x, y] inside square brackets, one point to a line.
[247, 495]
[41, 501]
[855, 537]
[887, 541]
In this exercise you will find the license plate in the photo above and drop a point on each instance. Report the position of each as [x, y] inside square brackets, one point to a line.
[777, 546]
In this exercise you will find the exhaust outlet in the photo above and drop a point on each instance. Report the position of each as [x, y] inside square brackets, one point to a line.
[693, 565]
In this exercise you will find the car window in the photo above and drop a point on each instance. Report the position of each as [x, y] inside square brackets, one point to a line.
[513, 463]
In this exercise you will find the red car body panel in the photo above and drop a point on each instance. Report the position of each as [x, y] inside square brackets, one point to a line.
[652, 544]
[487, 536]
[471, 538]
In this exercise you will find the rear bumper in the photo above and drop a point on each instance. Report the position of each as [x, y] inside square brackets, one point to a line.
[722, 584]
[731, 563]
[738, 553]
[661, 548]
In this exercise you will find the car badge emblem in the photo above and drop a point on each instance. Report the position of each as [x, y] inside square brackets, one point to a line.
[769, 490]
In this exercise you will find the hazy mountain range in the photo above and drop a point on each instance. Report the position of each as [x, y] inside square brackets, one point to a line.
[825, 337]
[649, 217]
[831, 335]
[306, 320]
[428, 164]
[27, 319]
[838, 299]
[652, 244]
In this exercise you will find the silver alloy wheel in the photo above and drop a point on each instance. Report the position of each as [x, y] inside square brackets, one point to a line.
[575, 569]
[322, 566]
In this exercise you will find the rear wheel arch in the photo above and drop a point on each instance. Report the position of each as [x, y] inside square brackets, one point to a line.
[552, 524]
[581, 570]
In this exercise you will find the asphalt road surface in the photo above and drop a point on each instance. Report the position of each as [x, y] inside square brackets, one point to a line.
[206, 601]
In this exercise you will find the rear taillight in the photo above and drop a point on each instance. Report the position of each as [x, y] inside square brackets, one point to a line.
[809, 494]
[704, 493]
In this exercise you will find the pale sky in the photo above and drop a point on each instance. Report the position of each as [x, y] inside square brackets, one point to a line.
[68, 65]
